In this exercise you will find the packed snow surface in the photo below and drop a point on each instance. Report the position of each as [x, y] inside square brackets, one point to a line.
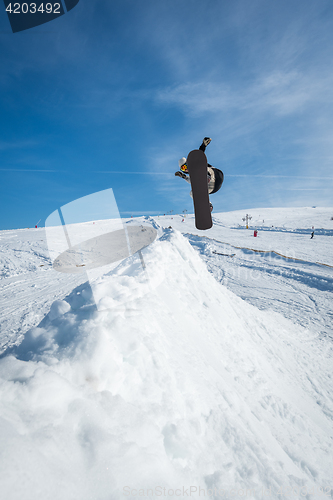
[202, 368]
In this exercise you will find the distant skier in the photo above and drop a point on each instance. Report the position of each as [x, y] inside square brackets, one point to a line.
[214, 175]
[312, 235]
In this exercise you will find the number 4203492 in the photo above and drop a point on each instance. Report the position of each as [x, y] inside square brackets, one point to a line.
[32, 8]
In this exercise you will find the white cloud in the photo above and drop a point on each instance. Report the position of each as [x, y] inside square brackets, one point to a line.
[20, 144]
[280, 93]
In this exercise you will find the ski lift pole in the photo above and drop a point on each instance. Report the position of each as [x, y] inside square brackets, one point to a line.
[247, 218]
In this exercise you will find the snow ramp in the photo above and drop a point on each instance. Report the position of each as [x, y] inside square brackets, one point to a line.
[173, 387]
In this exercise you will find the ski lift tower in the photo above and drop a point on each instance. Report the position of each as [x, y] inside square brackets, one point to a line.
[247, 218]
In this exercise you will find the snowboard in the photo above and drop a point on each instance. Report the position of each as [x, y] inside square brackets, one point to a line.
[197, 167]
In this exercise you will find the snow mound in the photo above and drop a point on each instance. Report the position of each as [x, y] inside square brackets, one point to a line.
[177, 388]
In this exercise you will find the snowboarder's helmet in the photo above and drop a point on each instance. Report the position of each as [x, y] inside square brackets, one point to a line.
[181, 162]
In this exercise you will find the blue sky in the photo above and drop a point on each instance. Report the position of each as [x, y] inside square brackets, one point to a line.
[113, 93]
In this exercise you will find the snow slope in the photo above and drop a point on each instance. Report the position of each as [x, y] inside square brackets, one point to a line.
[285, 231]
[176, 386]
[281, 270]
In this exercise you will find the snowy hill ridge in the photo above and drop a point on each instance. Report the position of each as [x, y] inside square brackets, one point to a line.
[177, 386]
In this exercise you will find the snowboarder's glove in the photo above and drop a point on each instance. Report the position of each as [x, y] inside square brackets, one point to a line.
[180, 174]
[206, 141]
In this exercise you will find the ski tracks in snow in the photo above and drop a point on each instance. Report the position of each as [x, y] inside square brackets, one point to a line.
[300, 291]
[28, 284]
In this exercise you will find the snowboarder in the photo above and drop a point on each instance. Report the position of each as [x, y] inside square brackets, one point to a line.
[312, 235]
[214, 175]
